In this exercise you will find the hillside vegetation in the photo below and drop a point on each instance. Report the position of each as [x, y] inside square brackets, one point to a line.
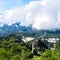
[10, 49]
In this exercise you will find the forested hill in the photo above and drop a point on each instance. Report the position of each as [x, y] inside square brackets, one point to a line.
[16, 28]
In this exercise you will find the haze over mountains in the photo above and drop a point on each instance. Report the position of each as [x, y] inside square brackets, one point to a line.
[33, 14]
[14, 28]
[41, 14]
[17, 28]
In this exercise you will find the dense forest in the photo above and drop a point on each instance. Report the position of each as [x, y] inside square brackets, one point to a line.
[11, 48]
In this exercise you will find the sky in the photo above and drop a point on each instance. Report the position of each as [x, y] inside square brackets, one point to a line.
[41, 14]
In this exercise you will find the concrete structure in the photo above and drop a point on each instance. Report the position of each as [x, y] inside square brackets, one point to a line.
[53, 40]
[27, 39]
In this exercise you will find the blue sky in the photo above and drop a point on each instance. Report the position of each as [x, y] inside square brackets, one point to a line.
[9, 4]
[41, 14]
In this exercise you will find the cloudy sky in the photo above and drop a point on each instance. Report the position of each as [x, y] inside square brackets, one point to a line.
[41, 14]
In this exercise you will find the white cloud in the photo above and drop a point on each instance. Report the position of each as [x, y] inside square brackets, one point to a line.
[43, 14]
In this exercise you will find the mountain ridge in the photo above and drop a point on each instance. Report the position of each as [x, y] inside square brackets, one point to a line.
[17, 28]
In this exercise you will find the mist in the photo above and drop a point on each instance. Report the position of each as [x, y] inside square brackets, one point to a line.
[41, 14]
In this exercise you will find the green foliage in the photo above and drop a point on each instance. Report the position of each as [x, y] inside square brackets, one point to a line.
[49, 55]
[11, 50]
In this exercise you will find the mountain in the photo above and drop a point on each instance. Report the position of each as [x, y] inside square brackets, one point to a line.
[14, 28]
[25, 30]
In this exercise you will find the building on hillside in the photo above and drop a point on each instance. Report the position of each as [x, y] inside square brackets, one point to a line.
[52, 43]
[27, 39]
[53, 40]
[31, 41]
